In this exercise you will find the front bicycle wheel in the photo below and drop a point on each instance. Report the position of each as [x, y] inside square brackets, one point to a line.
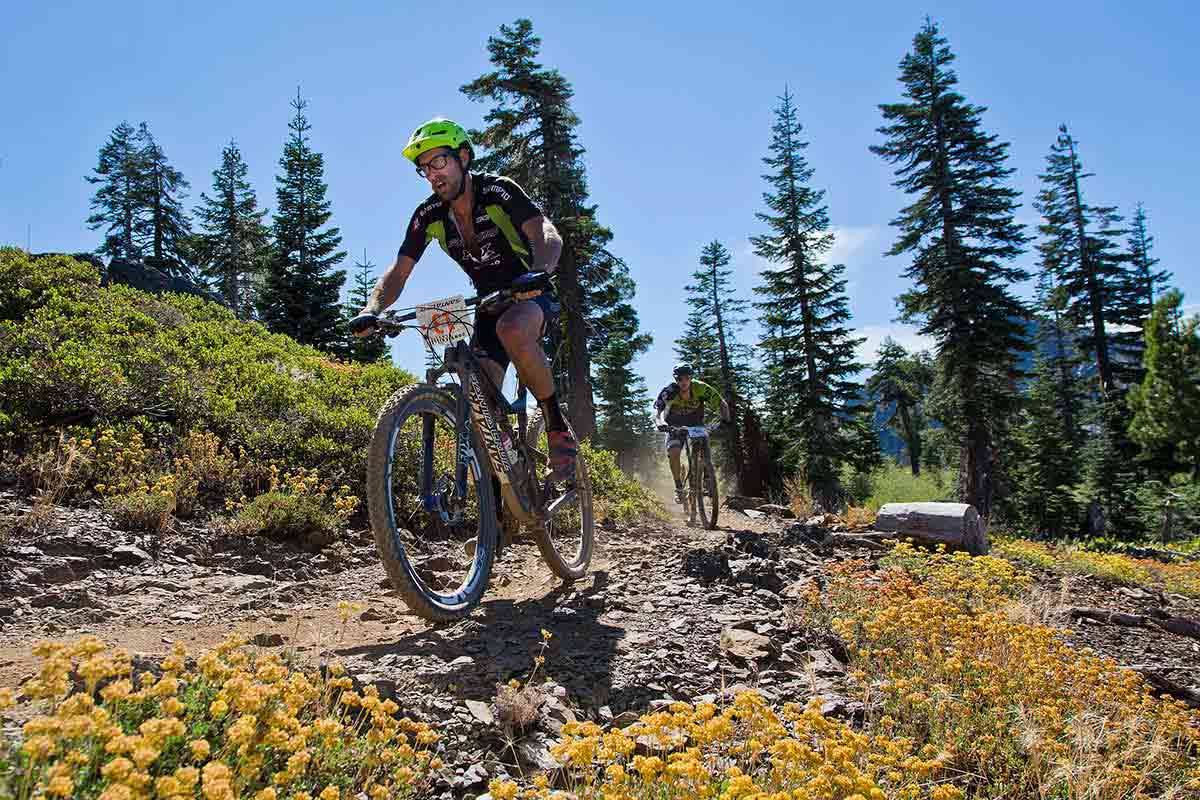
[706, 491]
[568, 536]
[434, 527]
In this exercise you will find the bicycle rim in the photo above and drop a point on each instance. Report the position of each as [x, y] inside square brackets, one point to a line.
[437, 548]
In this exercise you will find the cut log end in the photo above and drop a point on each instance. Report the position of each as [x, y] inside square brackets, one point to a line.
[956, 525]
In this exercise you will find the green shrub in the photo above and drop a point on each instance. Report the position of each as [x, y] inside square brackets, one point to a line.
[895, 483]
[615, 495]
[91, 359]
[146, 509]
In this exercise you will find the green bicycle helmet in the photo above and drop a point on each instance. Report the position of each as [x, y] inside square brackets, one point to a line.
[438, 132]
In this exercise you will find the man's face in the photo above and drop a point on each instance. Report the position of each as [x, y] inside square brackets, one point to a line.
[685, 382]
[443, 171]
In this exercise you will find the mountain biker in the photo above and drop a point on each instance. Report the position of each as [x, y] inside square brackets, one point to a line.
[489, 226]
[681, 403]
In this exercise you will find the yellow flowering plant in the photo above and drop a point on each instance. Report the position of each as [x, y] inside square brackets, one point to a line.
[231, 725]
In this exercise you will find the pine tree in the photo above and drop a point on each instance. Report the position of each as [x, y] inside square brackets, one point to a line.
[1166, 405]
[1140, 245]
[234, 245]
[712, 296]
[900, 382]
[623, 400]
[299, 297]
[811, 351]
[697, 347]
[530, 137]
[165, 230]
[1080, 245]
[1060, 358]
[118, 206]
[1049, 466]
[963, 237]
[363, 349]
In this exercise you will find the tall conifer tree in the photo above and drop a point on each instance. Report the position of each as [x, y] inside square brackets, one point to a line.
[1144, 264]
[530, 136]
[1081, 245]
[810, 349]
[118, 205]
[712, 295]
[165, 231]
[234, 245]
[1166, 406]
[962, 236]
[300, 294]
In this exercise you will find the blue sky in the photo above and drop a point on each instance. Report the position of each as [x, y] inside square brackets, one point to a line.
[676, 105]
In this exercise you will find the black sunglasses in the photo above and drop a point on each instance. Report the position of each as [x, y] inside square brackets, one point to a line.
[437, 162]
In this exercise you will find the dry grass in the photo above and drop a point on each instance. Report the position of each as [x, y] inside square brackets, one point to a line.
[859, 517]
[800, 498]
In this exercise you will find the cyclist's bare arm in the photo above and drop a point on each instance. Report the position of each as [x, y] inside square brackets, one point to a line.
[545, 241]
[724, 410]
[390, 284]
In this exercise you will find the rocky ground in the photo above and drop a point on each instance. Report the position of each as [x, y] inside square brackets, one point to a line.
[668, 612]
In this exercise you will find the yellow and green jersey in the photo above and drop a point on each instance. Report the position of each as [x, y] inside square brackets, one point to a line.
[688, 410]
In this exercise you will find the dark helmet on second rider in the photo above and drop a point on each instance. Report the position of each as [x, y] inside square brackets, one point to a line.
[681, 370]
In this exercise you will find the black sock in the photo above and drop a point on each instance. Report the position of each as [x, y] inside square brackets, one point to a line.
[553, 414]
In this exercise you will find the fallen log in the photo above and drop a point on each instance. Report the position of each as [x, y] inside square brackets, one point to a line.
[1109, 616]
[1180, 626]
[1160, 685]
[956, 525]
[740, 502]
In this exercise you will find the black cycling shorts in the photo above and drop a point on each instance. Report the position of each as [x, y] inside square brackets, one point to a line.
[678, 436]
[486, 343]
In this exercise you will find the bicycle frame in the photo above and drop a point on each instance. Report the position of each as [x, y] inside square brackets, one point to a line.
[519, 491]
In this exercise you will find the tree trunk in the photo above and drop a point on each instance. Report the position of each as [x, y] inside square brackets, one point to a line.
[580, 407]
[727, 378]
[957, 525]
[977, 466]
[1095, 297]
[912, 437]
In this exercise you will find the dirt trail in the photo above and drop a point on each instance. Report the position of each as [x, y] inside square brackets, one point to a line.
[668, 612]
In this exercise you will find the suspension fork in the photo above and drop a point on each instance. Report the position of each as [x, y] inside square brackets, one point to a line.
[428, 500]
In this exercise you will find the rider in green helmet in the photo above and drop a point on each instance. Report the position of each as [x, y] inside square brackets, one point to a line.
[488, 225]
[681, 403]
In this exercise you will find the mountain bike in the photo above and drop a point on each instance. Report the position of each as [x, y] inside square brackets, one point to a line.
[438, 455]
[700, 483]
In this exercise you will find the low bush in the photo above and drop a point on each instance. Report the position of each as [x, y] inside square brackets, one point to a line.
[235, 725]
[169, 383]
[1182, 577]
[147, 509]
[615, 495]
[1017, 711]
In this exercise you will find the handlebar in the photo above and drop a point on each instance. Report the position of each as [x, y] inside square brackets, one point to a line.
[390, 323]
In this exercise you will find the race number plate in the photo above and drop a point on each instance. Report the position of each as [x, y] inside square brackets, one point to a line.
[444, 322]
[697, 432]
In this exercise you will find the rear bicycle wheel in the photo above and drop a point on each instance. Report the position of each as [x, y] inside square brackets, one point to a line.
[567, 538]
[438, 548]
[706, 495]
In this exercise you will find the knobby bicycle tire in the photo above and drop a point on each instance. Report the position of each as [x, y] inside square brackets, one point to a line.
[708, 489]
[426, 399]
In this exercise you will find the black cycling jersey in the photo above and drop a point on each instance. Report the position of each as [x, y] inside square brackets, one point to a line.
[502, 249]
